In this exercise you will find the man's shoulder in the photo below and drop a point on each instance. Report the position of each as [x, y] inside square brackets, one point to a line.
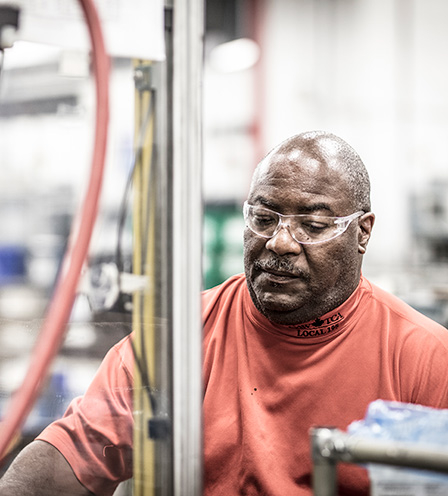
[223, 295]
[400, 311]
[122, 355]
[230, 285]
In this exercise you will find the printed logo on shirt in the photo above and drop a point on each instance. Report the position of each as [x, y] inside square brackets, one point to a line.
[319, 327]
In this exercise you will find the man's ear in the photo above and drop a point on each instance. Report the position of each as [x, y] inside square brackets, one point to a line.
[365, 229]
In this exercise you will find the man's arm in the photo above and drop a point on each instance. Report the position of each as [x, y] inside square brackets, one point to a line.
[41, 470]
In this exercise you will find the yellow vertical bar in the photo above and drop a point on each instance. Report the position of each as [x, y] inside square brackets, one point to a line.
[149, 249]
[143, 304]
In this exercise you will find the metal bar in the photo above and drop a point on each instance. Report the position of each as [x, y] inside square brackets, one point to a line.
[188, 29]
[324, 467]
[163, 80]
[330, 446]
[396, 454]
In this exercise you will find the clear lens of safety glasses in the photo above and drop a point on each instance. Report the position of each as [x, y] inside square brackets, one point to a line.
[305, 229]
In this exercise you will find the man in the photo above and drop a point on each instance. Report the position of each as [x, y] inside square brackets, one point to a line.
[302, 339]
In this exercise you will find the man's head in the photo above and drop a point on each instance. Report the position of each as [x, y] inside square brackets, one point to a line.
[313, 173]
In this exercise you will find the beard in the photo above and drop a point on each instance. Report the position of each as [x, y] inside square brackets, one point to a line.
[319, 282]
[271, 301]
[305, 303]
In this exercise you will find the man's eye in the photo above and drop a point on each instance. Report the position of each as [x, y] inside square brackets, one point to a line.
[315, 226]
[264, 220]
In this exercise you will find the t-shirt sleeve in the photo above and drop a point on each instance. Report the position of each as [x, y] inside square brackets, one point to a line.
[424, 366]
[95, 434]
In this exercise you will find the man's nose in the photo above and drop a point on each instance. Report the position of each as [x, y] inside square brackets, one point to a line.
[283, 243]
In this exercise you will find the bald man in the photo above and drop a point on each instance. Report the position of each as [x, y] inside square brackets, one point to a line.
[301, 339]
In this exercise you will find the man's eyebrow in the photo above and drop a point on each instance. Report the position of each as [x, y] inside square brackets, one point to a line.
[316, 207]
[261, 200]
[301, 209]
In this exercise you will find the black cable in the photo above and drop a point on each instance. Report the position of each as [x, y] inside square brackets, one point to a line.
[145, 228]
[141, 360]
[127, 191]
[143, 370]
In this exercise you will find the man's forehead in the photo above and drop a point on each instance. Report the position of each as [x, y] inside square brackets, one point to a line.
[292, 162]
[297, 181]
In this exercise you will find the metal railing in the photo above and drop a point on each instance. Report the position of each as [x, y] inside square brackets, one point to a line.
[330, 446]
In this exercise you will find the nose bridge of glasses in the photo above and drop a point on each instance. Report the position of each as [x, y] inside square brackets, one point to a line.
[283, 241]
[284, 221]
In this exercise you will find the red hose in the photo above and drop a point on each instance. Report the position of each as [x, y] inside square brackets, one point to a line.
[53, 329]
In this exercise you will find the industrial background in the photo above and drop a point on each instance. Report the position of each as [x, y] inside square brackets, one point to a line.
[371, 71]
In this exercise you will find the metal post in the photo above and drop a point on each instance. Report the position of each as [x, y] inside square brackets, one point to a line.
[330, 446]
[188, 29]
[324, 464]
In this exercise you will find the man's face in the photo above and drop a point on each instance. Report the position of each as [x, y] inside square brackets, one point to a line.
[292, 283]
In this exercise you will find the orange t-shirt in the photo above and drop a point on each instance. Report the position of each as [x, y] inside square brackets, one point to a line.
[265, 385]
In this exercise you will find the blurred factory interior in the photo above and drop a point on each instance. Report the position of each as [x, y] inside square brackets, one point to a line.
[371, 71]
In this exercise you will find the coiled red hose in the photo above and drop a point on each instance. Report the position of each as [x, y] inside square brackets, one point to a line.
[53, 329]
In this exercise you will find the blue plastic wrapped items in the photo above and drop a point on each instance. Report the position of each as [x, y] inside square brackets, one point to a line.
[402, 422]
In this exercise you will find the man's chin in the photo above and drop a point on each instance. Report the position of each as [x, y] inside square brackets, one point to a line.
[291, 318]
[280, 309]
[279, 306]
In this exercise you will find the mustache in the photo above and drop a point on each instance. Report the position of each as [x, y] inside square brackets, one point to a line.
[281, 264]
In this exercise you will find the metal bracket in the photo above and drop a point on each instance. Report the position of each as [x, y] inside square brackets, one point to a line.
[9, 23]
[143, 78]
[159, 428]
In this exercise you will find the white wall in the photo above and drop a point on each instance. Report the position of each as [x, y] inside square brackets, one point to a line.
[373, 72]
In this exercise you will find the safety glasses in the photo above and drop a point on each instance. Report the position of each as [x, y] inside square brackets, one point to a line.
[304, 228]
